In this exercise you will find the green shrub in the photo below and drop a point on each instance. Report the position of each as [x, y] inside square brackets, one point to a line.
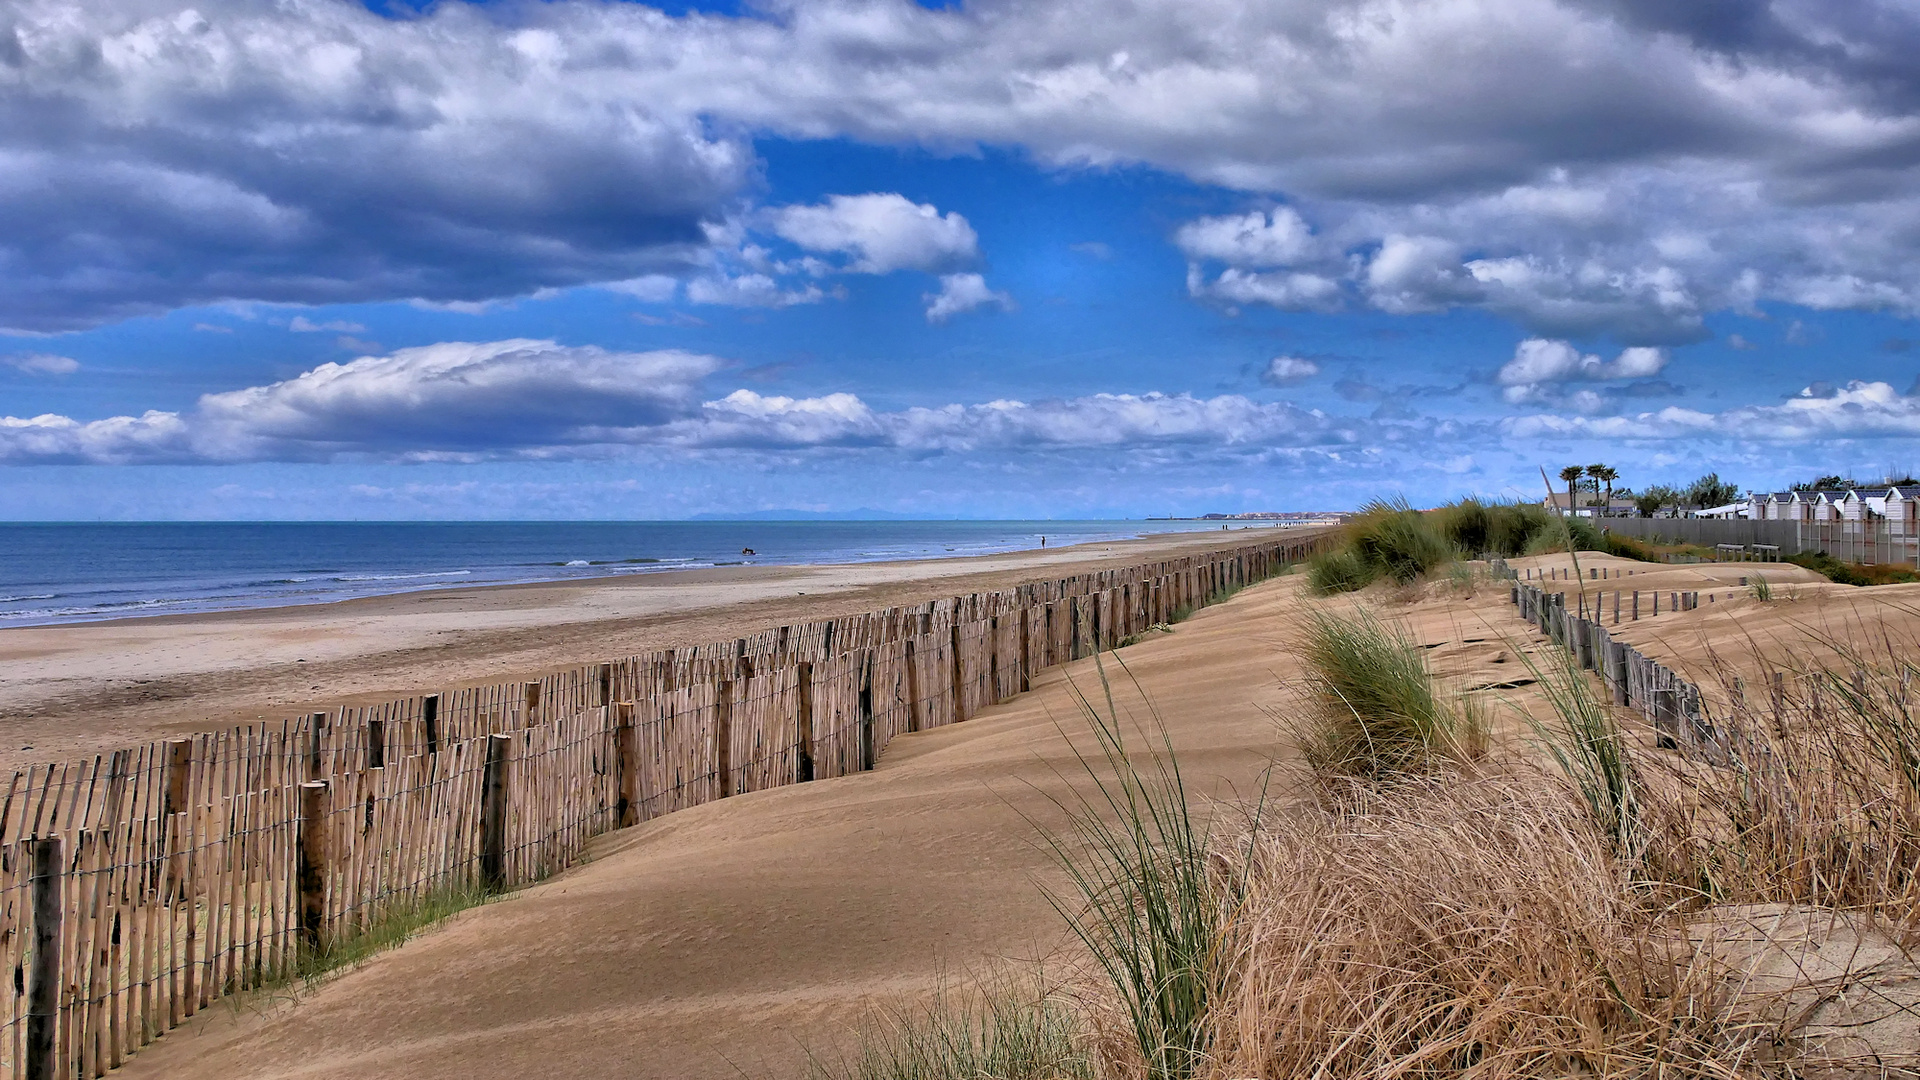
[1465, 524]
[1847, 573]
[1627, 547]
[1477, 527]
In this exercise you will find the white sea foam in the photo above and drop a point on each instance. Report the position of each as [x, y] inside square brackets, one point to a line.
[402, 577]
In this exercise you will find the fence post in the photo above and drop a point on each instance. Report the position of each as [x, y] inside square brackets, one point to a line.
[179, 767]
[43, 988]
[493, 813]
[316, 746]
[1026, 649]
[314, 807]
[531, 696]
[993, 660]
[953, 655]
[803, 719]
[606, 685]
[1073, 624]
[1666, 717]
[376, 744]
[1618, 659]
[430, 722]
[626, 770]
[913, 688]
[866, 711]
[723, 735]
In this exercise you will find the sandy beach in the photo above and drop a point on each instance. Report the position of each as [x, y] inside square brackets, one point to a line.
[70, 691]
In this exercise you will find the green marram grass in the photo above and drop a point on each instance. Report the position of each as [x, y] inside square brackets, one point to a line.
[1389, 540]
[1377, 712]
[1145, 897]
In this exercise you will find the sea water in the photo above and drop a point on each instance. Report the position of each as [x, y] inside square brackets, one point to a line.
[56, 573]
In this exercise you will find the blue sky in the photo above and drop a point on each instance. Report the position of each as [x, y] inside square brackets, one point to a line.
[590, 260]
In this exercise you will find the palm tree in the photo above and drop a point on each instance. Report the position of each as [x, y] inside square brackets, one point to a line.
[1607, 473]
[1571, 476]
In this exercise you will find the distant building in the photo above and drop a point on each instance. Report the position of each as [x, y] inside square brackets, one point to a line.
[1621, 506]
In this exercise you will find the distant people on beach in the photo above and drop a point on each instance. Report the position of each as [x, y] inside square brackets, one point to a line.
[746, 551]
[1043, 541]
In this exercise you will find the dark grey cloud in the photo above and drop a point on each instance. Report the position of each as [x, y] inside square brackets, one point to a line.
[1869, 43]
[1581, 167]
[154, 156]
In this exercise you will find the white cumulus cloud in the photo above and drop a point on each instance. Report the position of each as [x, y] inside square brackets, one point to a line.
[1282, 370]
[452, 399]
[1860, 410]
[41, 363]
[1274, 238]
[529, 398]
[1539, 363]
[882, 232]
[961, 293]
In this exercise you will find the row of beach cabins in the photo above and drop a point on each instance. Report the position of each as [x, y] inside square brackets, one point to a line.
[1878, 524]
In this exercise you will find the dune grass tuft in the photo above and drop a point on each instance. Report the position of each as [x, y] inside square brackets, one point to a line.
[1388, 539]
[1150, 895]
[1398, 541]
[1338, 571]
[1585, 741]
[1376, 711]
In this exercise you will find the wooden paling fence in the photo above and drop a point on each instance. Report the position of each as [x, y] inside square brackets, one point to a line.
[138, 887]
[1668, 701]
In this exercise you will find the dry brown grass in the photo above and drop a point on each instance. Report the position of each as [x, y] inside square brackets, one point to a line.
[1808, 793]
[1516, 923]
[1452, 926]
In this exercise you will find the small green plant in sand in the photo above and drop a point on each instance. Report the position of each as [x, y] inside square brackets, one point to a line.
[1585, 742]
[1759, 587]
[1006, 1030]
[398, 924]
[1375, 710]
[1149, 897]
